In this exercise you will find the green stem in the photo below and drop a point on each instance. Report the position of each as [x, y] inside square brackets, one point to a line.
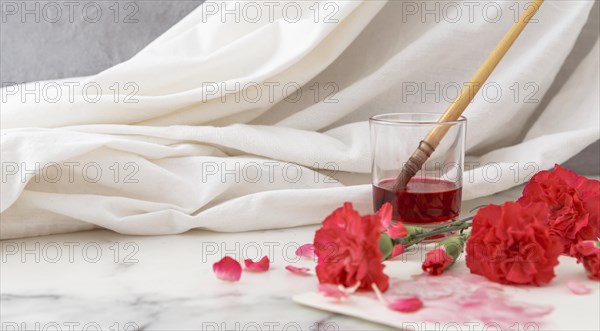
[415, 238]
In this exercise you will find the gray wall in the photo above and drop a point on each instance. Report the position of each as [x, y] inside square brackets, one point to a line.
[37, 48]
[42, 50]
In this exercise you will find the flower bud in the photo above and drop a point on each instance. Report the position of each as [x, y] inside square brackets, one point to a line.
[444, 255]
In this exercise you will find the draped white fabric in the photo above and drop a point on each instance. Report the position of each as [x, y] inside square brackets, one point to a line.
[207, 126]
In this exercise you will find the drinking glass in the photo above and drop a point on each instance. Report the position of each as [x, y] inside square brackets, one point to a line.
[433, 196]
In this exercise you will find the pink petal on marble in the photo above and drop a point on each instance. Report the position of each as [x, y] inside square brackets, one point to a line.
[228, 269]
[296, 270]
[306, 250]
[338, 292]
[406, 305]
[578, 287]
[260, 266]
[332, 291]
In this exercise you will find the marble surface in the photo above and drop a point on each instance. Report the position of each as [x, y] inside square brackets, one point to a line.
[101, 280]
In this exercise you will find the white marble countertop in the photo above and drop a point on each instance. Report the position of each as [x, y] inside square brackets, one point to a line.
[103, 280]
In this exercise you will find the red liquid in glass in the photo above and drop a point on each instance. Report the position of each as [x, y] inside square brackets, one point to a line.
[424, 200]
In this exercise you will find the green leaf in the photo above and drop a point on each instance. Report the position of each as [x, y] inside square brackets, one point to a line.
[386, 246]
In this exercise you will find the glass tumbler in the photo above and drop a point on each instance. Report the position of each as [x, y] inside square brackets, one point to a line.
[433, 196]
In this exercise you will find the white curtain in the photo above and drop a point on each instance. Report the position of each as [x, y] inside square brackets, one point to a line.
[241, 123]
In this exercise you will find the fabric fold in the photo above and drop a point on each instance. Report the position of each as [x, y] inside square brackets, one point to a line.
[180, 138]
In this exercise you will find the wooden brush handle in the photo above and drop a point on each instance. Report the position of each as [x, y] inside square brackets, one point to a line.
[458, 106]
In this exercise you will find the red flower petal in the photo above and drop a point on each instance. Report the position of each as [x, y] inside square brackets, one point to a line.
[347, 247]
[397, 230]
[398, 249]
[578, 288]
[385, 215]
[587, 248]
[260, 266]
[297, 271]
[572, 203]
[228, 269]
[306, 250]
[406, 305]
[588, 253]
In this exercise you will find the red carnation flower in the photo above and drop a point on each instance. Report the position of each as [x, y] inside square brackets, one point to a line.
[573, 202]
[588, 252]
[347, 247]
[511, 244]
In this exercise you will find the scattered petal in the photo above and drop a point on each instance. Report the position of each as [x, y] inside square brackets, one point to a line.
[406, 305]
[332, 291]
[296, 270]
[260, 266]
[397, 230]
[338, 292]
[578, 287]
[306, 250]
[398, 249]
[385, 215]
[228, 269]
